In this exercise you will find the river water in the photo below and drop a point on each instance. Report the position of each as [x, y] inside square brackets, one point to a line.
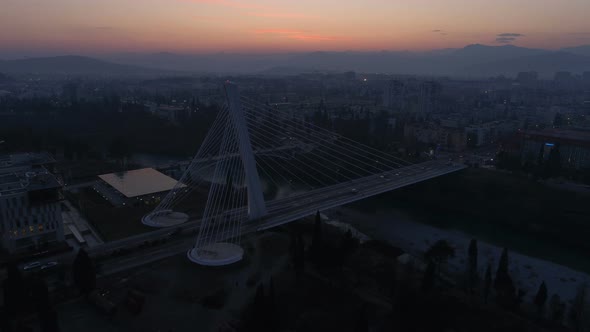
[415, 236]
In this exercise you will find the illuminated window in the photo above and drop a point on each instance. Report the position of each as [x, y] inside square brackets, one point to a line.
[31, 229]
[40, 228]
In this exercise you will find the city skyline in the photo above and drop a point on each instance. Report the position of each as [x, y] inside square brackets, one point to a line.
[32, 27]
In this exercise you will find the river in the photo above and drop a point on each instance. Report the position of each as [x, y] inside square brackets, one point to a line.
[414, 236]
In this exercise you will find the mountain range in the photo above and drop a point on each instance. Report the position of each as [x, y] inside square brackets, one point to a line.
[471, 61]
[73, 65]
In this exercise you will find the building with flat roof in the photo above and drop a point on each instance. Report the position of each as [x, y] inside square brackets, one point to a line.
[30, 196]
[144, 184]
[25, 160]
[573, 145]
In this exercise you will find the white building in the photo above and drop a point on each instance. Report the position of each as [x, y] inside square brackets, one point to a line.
[30, 210]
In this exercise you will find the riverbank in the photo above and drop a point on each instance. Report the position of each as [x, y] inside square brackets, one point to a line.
[415, 238]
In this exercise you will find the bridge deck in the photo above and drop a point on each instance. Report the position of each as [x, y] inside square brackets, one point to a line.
[286, 210]
[292, 208]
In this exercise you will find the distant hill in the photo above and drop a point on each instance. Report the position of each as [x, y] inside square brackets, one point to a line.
[477, 53]
[470, 61]
[203, 63]
[71, 65]
[545, 64]
[579, 50]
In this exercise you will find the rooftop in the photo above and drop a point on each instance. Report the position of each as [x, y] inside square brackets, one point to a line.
[139, 182]
[27, 159]
[26, 180]
[574, 136]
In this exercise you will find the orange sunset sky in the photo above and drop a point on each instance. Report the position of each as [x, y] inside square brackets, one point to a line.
[204, 26]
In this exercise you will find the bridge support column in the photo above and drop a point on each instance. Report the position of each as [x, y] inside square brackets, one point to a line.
[256, 205]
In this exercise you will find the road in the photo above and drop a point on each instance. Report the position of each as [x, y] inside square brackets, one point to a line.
[181, 238]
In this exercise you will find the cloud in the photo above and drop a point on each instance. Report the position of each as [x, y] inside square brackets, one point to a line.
[510, 34]
[439, 32]
[507, 37]
[295, 34]
[505, 40]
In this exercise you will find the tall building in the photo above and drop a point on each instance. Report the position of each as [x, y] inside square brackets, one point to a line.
[70, 92]
[393, 95]
[528, 78]
[30, 210]
[428, 97]
[564, 80]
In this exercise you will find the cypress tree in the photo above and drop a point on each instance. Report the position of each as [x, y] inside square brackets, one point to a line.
[316, 242]
[299, 257]
[429, 277]
[487, 283]
[541, 297]
[362, 324]
[83, 272]
[503, 283]
[472, 269]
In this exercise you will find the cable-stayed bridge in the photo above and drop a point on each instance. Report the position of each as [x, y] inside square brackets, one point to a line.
[262, 168]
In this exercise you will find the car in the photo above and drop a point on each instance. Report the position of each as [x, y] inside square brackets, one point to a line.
[354, 191]
[49, 265]
[31, 266]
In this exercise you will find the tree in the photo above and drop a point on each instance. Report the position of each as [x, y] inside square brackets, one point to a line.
[299, 257]
[503, 263]
[119, 149]
[577, 308]
[557, 308]
[472, 261]
[541, 156]
[48, 321]
[429, 278]
[83, 272]
[259, 310]
[362, 324]
[503, 283]
[316, 241]
[40, 295]
[541, 297]
[15, 294]
[274, 321]
[440, 252]
[487, 283]
[553, 165]
[349, 243]
[557, 120]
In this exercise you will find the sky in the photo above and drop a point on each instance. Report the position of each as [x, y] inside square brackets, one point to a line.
[262, 26]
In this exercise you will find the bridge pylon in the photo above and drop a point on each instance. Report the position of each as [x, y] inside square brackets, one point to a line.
[256, 204]
[215, 246]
